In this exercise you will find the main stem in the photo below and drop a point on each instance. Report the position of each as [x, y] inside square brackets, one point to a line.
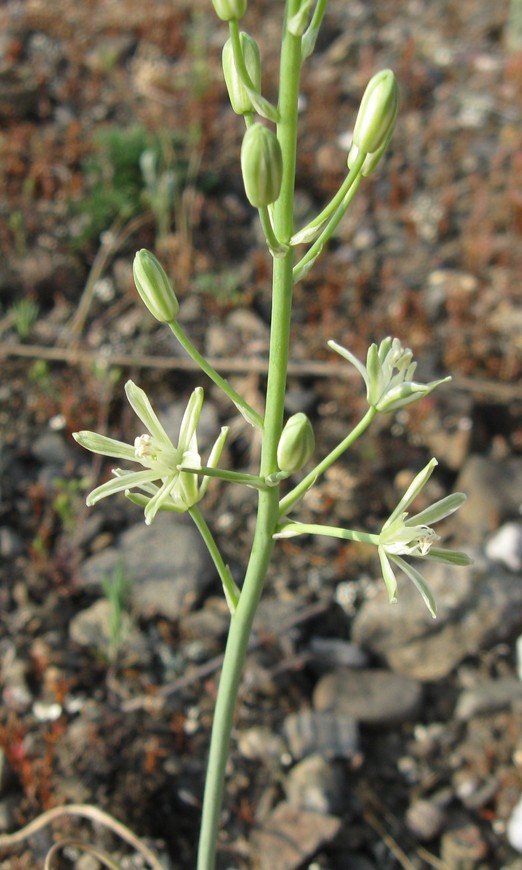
[268, 512]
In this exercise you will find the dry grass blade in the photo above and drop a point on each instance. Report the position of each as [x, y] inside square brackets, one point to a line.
[87, 812]
[100, 854]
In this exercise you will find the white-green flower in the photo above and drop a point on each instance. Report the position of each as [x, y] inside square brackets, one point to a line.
[413, 536]
[400, 536]
[388, 375]
[166, 487]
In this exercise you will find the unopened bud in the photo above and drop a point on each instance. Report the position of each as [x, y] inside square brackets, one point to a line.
[154, 287]
[238, 94]
[261, 165]
[229, 9]
[375, 120]
[296, 445]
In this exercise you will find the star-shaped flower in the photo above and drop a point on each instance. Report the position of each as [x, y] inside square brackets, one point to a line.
[413, 536]
[177, 490]
[388, 375]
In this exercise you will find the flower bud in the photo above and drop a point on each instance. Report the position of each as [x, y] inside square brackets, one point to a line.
[261, 165]
[238, 94]
[229, 9]
[375, 120]
[296, 445]
[154, 286]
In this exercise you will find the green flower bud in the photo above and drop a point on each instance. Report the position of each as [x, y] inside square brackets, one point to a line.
[375, 120]
[154, 286]
[229, 9]
[296, 445]
[261, 165]
[238, 94]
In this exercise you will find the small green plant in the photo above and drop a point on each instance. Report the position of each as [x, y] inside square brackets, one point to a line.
[24, 314]
[116, 589]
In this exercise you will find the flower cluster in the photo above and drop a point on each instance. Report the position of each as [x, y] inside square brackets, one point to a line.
[178, 490]
[388, 375]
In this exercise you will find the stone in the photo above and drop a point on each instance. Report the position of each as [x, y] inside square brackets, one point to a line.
[505, 546]
[167, 561]
[376, 697]
[478, 606]
[260, 744]
[462, 847]
[514, 827]
[92, 628]
[425, 819]
[493, 490]
[316, 784]
[487, 697]
[332, 652]
[290, 836]
[330, 734]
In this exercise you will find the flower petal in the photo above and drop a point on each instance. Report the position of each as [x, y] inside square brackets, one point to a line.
[420, 582]
[140, 404]
[412, 492]
[438, 511]
[121, 482]
[161, 496]
[388, 575]
[190, 420]
[213, 459]
[106, 446]
[352, 359]
[448, 557]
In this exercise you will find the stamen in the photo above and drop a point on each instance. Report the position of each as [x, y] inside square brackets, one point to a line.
[143, 446]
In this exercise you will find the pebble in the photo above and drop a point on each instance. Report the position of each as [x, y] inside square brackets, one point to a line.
[514, 827]
[329, 734]
[425, 819]
[462, 847]
[488, 697]
[376, 697]
[51, 448]
[260, 744]
[167, 561]
[332, 652]
[290, 836]
[316, 784]
[493, 490]
[91, 627]
[505, 546]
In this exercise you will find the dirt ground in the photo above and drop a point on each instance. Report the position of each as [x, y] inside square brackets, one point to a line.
[430, 252]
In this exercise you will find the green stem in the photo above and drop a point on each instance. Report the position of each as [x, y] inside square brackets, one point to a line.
[288, 502]
[276, 248]
[292, 529]
[334, 203]
[223, 474]
[242, 406]
[231, 591]
[311, 255]
[310, 34]
[267, 516]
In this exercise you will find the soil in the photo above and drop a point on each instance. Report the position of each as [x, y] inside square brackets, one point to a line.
[430, 253]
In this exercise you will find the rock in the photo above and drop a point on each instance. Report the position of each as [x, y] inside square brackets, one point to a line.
[92, 628]
[167, 561]
[330, 734]
[462, 847]
[51, 448]
[332, 652]
[505, 546]
[208, 424]
[259, 743]
[11, 544]
[514, 827]
[425, 819]
[6, 772]
[315, 784]
[9, 808]
[290, 836]
[488, 697]
[16, 693]
[373, 696]
[478, 606]
[493, 489]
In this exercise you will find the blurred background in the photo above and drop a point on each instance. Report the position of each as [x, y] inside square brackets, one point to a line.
[116, 134]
